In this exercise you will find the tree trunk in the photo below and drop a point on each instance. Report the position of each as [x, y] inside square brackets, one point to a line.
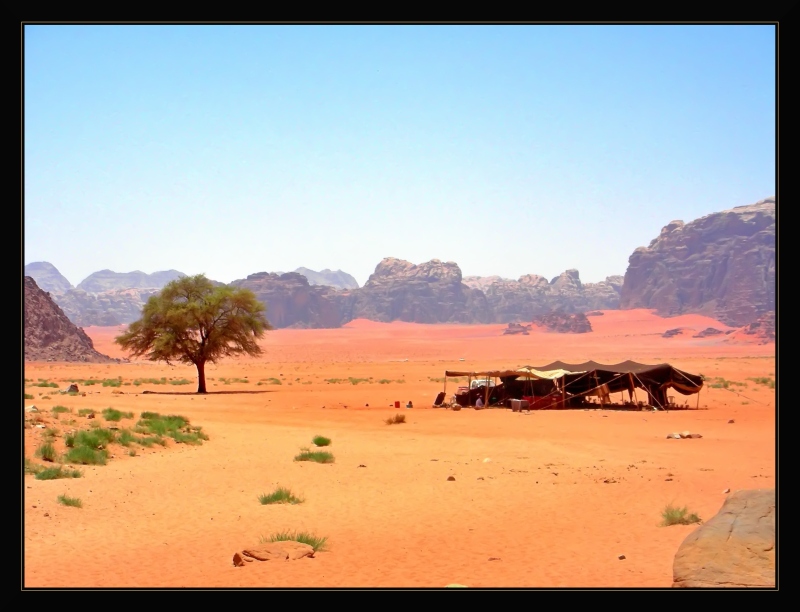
[201, 376]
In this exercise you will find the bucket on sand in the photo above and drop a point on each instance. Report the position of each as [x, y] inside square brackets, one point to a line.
[397, 404]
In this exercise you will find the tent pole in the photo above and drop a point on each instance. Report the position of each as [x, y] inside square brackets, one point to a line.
[564, 391]
[469, 388]
[698, 400]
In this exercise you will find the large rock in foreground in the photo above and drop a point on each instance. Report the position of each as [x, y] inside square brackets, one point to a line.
[736, 548]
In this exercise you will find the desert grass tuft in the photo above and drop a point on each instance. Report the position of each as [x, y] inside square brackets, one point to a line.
[316, 542]
[173, 426]
[672, 515]
[55, 473]
[75, 502]
[46, 452]
[111, 414]
[86, 455]
[398, 418]
[33, 468]
[281, 495]
[60, 409]
[315, 456]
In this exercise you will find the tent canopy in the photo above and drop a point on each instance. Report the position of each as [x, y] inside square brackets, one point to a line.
[661, 375]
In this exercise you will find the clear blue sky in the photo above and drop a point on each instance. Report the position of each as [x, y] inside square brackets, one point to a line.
[511, 150]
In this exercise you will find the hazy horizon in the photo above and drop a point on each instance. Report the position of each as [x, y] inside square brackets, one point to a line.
[510, 150]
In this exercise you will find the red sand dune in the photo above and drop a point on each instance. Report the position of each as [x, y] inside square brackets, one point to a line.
[564, 493]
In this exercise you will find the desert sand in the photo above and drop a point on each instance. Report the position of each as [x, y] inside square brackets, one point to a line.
[547, 499]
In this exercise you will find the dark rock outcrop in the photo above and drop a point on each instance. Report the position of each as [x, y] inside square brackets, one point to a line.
[564, 323]
[47, 277]
[721, 265]
[106, 280]
[532, 295]
[50, 335]
[431, 292]
[763, 327]
[708, 331]
[736, 548]
[292, 302]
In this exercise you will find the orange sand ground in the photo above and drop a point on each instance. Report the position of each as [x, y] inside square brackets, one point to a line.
[174, 517]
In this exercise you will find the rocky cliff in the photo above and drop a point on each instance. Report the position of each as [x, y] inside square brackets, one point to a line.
[115, 307]
[292, 301]
[532, 295]
[431, 292]
[721, 265]
[50, 335]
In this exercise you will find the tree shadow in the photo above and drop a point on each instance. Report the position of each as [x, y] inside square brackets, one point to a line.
[203, 394]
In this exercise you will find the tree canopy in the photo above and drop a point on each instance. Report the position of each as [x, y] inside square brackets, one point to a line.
[192, 321]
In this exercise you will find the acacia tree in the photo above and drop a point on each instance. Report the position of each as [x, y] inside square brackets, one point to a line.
[192, 321]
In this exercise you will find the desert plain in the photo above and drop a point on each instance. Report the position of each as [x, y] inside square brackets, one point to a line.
[552, 498]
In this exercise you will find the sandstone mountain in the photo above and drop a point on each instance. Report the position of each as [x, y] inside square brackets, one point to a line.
[337, 280]
[50, 335]
[47, 277]
[431, 292]
[532, 295]
[721, 265]
[109, 308]
[106, 280]
[292, 301]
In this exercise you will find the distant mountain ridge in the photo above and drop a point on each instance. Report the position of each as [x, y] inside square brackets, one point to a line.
[107, 280]
[337, 280]
[47, 277]
[722, 265]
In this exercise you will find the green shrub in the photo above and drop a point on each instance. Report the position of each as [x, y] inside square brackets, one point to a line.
[281, 495]
[317, 543]
[315, 456]
[672, 515]
[70, 501]
[111, 414]
[55, 473]
[321, 441]
[86, 455]
[46, 452]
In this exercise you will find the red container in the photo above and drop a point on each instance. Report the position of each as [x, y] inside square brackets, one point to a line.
[397, 404]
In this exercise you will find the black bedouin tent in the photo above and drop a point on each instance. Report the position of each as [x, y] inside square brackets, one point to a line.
[560, 384]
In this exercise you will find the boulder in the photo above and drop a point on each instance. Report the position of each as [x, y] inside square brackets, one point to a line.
[287, 550]
[735, 548]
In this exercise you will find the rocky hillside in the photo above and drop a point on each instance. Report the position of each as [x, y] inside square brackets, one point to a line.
[115, 307]
[329, 278]
[431, 292]
[50, 335]
[721, 265]
[47, 277]
[532, 295]
[106, 280]
[292, 301]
